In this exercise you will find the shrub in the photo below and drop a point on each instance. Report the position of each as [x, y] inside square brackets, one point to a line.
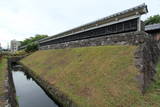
[32, 47]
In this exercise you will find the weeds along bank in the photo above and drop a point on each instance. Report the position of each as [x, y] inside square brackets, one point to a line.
[92, 76]
[7, 90]
[4, 85]
[3, 76]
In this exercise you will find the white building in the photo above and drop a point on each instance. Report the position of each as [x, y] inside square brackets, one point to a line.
[14, 45]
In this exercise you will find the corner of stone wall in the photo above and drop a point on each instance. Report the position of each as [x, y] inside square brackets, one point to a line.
[146, 59]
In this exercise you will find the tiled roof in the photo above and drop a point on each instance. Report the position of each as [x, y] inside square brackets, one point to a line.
[138, 10]
[152, 27]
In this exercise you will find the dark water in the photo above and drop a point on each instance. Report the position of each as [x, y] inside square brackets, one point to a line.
[29, 93]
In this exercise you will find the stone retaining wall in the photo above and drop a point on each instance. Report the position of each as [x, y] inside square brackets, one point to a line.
[146, 56]
[131, 38]
[11, 87]
[146, 59]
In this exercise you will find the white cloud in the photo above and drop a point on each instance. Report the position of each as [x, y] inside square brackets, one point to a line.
[5, 37]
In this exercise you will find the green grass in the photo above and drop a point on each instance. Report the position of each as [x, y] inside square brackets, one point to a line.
[3, 66]
[154, 89]
[156, 84]
[102, 76]
[157, 77]
[17, 98]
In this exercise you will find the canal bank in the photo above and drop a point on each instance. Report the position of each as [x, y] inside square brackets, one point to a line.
[12, 91]
[7, 89]
[26, 90]
[53, 92]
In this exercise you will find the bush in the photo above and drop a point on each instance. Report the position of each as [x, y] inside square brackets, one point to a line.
[19, 53]
[32, 47]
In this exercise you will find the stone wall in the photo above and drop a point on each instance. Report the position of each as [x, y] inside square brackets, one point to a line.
[131, 38]
[11, 87]
[146, 56]
[146, 59]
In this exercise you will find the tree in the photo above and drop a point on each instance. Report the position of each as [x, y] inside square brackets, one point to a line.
[32, 47]
[33, 39]
[152, 20]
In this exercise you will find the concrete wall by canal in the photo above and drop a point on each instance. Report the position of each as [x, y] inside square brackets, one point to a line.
[11, 87]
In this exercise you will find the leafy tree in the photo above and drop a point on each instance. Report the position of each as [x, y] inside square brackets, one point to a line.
[32, 47]
[33, 39]
[152, 20]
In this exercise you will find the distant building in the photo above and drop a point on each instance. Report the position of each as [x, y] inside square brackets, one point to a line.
[14, 45]
[154, 30]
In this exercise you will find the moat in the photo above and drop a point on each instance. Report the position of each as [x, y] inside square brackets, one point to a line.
[28, 92]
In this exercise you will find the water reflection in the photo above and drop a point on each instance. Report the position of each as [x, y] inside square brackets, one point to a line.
[28, 92]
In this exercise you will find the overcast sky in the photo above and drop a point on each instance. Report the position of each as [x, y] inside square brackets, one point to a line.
[20, 19]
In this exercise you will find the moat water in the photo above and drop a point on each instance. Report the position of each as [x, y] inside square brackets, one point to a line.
[28, 92]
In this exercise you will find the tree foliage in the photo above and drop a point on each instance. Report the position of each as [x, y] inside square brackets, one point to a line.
[31, 42]
[31, 47]
[33, 39]
[152, 20]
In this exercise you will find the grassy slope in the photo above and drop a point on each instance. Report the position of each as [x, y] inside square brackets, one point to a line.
[93, 76]
[3, 66]
[154, 89]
